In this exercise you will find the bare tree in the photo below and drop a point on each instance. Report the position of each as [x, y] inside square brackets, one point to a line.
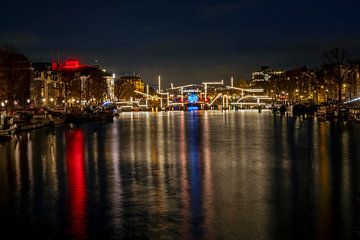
[124, 90]
[338, 69]
[97, 86]
[68, 80]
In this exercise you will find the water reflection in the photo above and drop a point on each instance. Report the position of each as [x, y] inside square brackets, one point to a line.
[177, 175]
[195, 179]
[76, 183]
[184, 181]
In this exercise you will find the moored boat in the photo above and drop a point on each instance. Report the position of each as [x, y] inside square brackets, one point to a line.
[7, 127]
[27, 120]
[325, 113]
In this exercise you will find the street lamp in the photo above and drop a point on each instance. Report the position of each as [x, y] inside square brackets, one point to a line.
[326, 94]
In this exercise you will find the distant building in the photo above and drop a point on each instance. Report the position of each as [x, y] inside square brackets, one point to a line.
[262, 78]
[135, 81]
[264, 74]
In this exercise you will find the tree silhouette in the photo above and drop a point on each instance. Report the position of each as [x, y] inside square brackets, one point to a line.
[97, 86]
[339, 71]
[124, 90]
[69, 80]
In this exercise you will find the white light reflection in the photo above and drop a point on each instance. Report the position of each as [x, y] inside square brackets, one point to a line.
[17, 166]
[116, 194]
[184, 181]
[322, 185]
[159, 174]
[95, 148]
[207, 181]
[30, 155]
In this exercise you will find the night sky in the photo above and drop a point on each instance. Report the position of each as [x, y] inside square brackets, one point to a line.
[184, 41]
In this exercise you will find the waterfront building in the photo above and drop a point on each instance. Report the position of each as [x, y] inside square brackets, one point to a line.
[16, 74]
[352, 87]
[47, 88]
[301, 84]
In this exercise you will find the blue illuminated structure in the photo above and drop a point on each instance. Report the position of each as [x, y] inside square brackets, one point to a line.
[193, 98]
[193, 102]
[193, 108]
[106, 103]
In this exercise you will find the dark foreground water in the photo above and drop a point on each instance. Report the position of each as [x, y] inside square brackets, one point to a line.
[199, 175]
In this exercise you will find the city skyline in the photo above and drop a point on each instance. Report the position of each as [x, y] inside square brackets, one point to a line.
[183, 41]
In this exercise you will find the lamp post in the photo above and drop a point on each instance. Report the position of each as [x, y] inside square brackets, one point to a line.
[326, 94]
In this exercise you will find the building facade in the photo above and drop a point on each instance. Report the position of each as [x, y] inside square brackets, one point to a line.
[135, 81]
[70, 83]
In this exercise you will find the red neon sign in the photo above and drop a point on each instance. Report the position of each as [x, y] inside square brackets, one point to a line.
[70, 64]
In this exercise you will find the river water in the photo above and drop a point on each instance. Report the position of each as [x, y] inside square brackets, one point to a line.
[183, 175]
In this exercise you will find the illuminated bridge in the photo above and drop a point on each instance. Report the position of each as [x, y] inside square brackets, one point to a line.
[207, 95]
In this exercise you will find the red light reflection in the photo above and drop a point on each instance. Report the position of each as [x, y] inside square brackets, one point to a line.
[76, 183]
